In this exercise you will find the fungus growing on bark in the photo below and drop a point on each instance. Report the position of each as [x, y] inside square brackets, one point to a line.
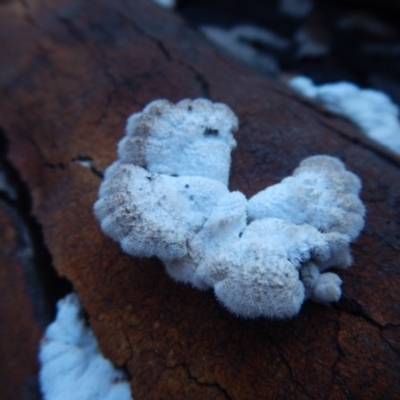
[372, 111]
[167, 196]
[72, 366]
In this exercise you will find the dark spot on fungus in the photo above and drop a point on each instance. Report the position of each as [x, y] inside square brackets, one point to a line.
[191, 197]
[187, 186]
[149, 178]
[117, 379]
[174, 175]
[190, 108]
[210, 132]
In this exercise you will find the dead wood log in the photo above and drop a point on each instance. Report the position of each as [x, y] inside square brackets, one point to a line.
[70, 74]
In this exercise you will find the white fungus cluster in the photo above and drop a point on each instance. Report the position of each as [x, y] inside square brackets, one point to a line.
[167, 196]
[372, 111]
[72, 366]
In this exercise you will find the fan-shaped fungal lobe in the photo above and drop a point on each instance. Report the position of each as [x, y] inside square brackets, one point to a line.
[320, 193]
[167, 196]
[191, 138]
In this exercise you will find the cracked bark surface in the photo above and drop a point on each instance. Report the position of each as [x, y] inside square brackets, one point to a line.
[20, 330]
[29, 287]
[70, 74]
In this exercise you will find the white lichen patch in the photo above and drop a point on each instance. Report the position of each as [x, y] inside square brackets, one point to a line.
[167, 196]
[72, 366]
[372, 111]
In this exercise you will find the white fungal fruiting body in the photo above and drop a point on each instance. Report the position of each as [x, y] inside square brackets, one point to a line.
[176, 139]
[262, 257]
[72, 366]
[149, 213]
[258, 273]
[320, 193]
[372, 111]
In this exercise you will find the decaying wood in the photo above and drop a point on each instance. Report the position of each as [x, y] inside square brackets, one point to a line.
[70, 74]
[20, 329]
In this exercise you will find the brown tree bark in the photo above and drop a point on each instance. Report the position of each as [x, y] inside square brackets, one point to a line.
[20, 328]
[71, 72]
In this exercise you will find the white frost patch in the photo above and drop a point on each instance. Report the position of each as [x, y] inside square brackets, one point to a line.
[372, 111]
[167, 196]
[72, 366]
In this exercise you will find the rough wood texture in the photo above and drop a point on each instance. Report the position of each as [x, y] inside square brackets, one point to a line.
[19, 329]
[70, 74]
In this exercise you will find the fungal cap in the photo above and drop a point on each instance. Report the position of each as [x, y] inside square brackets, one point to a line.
[320, 193]
[152, 214]
[199, 134]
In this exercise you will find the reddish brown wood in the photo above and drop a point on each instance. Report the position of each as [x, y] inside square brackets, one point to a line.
[20, 331]
[70, 74]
